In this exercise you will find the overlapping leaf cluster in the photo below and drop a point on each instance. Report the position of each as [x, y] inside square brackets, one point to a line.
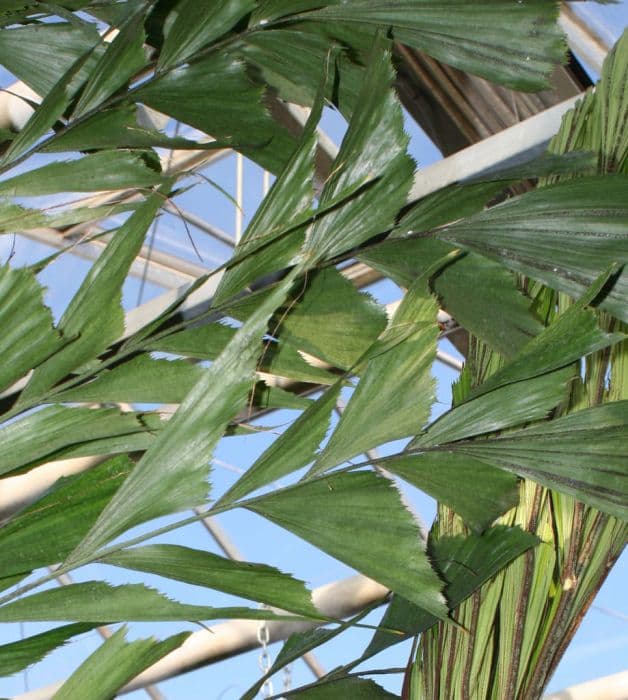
[216, 67]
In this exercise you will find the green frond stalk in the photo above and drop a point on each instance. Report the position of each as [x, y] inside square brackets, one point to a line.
[514, 630]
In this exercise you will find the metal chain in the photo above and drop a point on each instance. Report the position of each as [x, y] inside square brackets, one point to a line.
[287, 678]
[265, 662]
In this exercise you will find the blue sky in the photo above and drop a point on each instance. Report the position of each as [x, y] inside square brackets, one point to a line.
[600, 646]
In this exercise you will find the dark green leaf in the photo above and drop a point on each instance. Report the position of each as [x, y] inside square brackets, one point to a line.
[139, 380]
[465, 563]
[172, 474]
[28, 337]
[265, 246]
[94, 317]
[472, 305]
[508, 406]
[333, 320]
[191, 26]
[573, 335]
[582, 454]
[39, 53]
[358, 688]
[108, 170]
[258, 582]
[477, 492]
[202, 342]
[268, 397]
[293, 58]
[41, 435]
[113, 664]
[122, 59]
[118, 127]
[564, 235]
[216, 96]
[47, 113]
[284, 360]
[393, 397]
[459, 293]
[60, 519]
[516, 44]
[94, 601]
[14, 217]
[293, 449]
[17, 656]
[372, 156]
[359, 519]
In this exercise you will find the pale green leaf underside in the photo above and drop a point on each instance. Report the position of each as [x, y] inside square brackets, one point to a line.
[105, 170]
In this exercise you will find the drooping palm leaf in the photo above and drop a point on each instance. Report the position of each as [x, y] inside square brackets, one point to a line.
[60, 519]
[259, 582]
[564, 235]
[28, 337]
[516, 44]
[94, 601]
[17, 656]
[94, 317]
[172, 475]
[582, 454]
[113, 664]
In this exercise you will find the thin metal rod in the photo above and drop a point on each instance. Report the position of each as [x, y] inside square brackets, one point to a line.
[239, 196]
[200, 223]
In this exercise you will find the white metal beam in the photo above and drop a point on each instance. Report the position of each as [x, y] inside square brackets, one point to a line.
[583, 40]
[614, 687]
[516, 144]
